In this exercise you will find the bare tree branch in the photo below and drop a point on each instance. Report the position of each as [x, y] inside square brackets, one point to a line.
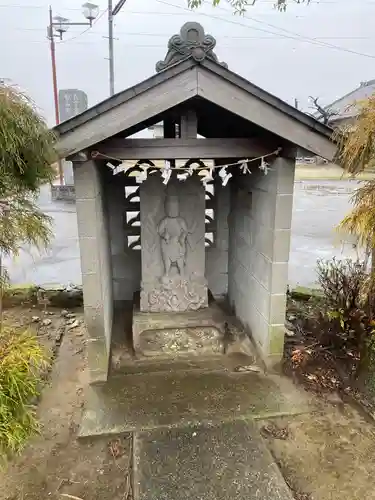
[325, 114]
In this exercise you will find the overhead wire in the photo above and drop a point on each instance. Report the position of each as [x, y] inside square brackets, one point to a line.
[265, 23]
[272, 2]
[295, 37]
[165, 35]
[318, 41]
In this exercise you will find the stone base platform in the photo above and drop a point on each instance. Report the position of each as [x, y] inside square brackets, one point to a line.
[190, 333]
[142, 401]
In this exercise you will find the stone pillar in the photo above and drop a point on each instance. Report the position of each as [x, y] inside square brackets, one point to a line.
[217, 255]
[96, 265]
[173, 245]
[260, 226]
[68, 173]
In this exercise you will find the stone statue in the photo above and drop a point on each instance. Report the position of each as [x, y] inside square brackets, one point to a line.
[172, 251]
[173, 233]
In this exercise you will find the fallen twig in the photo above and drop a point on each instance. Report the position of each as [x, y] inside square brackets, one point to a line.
[62, 481]
[70, 496]
[128, 485]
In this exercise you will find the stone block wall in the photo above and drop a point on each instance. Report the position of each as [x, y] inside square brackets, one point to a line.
[259, 243]
[217, 255]
[126, 262]
[96, 264]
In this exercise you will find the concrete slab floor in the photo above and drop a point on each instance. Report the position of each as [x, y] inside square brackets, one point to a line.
[315, 213]
[228, 461]
[172, 399]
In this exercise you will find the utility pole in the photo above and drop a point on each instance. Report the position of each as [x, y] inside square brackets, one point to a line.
[110, 50]
[54, 72]
[111, 57]
[57, 26]
[54, 84]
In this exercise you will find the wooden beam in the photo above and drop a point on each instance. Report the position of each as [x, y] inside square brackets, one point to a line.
[169, 128]
[160, 149]
[238, 101]
[189, 125]
[80, 157]
[140, 106]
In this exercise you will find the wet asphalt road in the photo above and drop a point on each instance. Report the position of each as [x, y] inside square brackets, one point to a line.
[318, 207]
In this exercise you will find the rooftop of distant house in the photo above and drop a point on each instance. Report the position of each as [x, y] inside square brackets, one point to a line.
[346, 107]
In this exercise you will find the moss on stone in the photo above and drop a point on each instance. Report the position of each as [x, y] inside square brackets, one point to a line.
[304, 293]
[62, 297]
[277, 334]
[15, 295]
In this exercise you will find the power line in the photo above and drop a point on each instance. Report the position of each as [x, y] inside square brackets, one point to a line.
[312, 40]
[271, 2]
[298, 37]
[167, 35]
[318, 41]
[141, 45]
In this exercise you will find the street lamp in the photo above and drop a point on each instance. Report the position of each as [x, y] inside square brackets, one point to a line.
[57, 26]
[61, 25]
[90, 11]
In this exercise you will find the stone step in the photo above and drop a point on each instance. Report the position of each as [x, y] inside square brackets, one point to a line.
[151, 400]
[234, 361]
[160, 364]
[206, 462]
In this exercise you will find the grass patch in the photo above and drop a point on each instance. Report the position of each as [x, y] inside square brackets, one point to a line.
[328, 172]
[22, 361]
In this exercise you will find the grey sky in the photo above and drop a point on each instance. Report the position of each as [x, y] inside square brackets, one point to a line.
[280, 58]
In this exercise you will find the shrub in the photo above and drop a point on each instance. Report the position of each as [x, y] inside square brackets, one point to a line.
[342, 283]
[347, 308]
[22, 361]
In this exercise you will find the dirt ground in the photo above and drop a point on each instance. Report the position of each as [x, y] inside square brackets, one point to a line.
[55, 465]
[327, 455]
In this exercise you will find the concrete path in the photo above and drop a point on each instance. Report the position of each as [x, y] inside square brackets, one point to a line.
[194, 432]
[224, 462]
[316, 212]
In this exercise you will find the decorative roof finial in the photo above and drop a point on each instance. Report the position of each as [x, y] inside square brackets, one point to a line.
[191, 42]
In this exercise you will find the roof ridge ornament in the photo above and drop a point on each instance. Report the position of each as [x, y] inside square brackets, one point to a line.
[192, 42]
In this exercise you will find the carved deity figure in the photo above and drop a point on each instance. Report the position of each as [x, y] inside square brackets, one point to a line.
[173, 233]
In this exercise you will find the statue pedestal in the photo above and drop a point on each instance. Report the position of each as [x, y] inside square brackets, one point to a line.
[182, 334]
[174, 295]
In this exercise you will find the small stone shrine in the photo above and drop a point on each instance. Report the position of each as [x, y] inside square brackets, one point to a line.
[180, 235]
[173, 270]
